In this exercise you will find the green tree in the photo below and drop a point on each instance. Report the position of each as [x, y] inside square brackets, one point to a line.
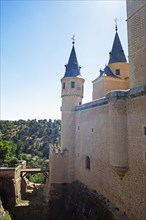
[5, 149]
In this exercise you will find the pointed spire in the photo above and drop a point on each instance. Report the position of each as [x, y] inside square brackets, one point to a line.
[72, 68]
[117, 54]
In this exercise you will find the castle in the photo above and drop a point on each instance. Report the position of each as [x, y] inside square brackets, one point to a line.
[103, 142]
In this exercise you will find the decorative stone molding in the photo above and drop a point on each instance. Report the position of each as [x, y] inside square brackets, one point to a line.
[120, 171]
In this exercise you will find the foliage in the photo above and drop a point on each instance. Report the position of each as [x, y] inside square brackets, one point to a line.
[28, 140]
[5, 149]
[31, 136]
[36, 178]
[6, 216]
[12, 162]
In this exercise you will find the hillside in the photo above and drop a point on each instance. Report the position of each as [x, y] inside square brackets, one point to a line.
[28, 140]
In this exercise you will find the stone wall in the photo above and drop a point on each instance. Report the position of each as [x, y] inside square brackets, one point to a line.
[136, 11]
[94, 126]
[76, 202]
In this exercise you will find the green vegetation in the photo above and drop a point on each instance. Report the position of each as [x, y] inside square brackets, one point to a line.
[6, 216]
[28, 140]
[5, 149]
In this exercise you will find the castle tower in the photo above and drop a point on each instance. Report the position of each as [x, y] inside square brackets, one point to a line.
[115, 74]
[72, 94]
[136, 13]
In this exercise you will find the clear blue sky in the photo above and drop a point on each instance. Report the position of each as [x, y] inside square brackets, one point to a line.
[36, 44]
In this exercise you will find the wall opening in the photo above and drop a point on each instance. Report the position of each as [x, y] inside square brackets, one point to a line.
[117, 72]
[87, 163]
[72, 84]
[144, 130]
[63, 86]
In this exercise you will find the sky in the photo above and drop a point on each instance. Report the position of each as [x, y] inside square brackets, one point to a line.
[36, 44]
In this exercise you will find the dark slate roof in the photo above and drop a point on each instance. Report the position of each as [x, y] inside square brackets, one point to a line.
[117, 53]
[72, 68]
[107, 72]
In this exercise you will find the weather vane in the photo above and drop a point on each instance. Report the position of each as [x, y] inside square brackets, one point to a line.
[73, 39]
[116, 21]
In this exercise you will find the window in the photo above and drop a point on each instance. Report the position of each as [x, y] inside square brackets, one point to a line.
[117, 72]
[87, 163]
[92, 130]
[63, 86]
[144, 130]
[72, 84]
[78, 127]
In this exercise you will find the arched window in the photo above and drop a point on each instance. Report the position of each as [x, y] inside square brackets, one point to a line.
[87, 163]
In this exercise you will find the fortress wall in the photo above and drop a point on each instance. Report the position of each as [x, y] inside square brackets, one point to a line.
[93, 140]
[58, 165]
[133, 6]
[136, 11]
[136, 121]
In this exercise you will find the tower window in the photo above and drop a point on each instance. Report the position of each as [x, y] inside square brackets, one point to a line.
[117, 72]
[63, 86]
[72, 84]
[87, 163]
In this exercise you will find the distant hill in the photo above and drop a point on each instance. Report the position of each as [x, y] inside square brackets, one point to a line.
[30, 139]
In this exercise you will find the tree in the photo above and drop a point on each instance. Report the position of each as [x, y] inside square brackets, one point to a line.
[5, 149]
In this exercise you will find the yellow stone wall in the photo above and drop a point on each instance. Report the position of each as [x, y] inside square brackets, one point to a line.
[109, 142]
[104, 84]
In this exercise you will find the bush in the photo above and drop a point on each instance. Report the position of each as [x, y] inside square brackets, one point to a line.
[13, 162]
[36, 178]
[6, 216]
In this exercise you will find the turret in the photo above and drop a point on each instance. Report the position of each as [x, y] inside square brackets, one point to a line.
[115, 75]
[72, 94]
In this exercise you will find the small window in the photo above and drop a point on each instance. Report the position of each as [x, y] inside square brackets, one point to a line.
[87, 163]
[63, 86]
[78, 127]
[144, 130]
[72, 84]
[80, 103]
[92, 129]
[117, 72]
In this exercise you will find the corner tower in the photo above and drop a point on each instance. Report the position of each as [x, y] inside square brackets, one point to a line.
[115, 76]
[72, 94]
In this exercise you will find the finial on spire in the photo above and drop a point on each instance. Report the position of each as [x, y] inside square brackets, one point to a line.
[73, 39]
[116, 27]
